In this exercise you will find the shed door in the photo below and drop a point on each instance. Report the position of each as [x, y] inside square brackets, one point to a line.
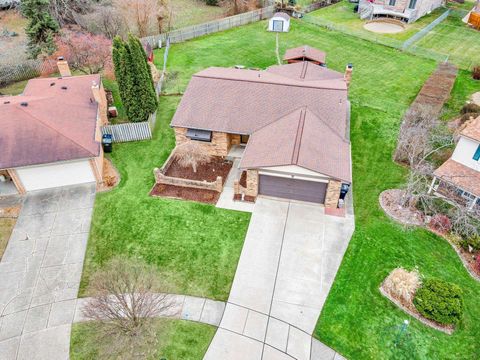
[293, 189]
[278, 25]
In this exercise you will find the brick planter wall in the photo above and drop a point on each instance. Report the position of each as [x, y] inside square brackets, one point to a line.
[160, 178]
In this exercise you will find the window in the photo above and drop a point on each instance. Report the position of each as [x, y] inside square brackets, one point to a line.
[476, 156]
[391, 2]
[412, 4]
[199, 135]
[466, 195]
[278, 25]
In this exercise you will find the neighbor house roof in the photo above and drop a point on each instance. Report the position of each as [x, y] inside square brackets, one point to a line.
[242, 101]
[53, 120]
[305, 52]
[459, 175]
[300, 138]
[472, 129]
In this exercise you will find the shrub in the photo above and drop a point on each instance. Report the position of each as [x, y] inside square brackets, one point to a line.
[211, 2]
[441, 223]
[440, 301]
[477, 263]
[471, 242]
[470, 108]
[402, 284]
[476, 73]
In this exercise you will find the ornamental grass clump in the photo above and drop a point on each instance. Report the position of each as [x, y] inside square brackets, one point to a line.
[439, 301]
[402, 284]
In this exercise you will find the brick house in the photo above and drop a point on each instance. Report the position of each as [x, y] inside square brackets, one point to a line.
[459, 177]
[51, 133]
[292, 120]
[405, 10]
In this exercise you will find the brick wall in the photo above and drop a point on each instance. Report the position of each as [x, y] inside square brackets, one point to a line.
[219, 146]
[252, 183]
[333, 194]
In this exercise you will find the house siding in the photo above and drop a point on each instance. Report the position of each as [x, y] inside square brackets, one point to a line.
[219, 146]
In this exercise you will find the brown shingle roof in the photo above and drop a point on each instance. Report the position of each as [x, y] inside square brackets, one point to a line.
[305, 52]
[57, 125]
[472, 129]
[300, 138]
[242, 101]
[460, 175]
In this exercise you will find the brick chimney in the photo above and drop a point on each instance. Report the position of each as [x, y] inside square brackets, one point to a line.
[96, 92]
[348, 74]
[63, 67]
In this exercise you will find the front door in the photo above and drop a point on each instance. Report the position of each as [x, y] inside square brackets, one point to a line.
[244, 139]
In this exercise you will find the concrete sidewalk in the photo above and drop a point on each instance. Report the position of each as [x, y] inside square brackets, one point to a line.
[291, 255]
[40, 273]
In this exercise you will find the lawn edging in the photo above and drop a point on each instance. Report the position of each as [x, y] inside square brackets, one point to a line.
[443, 328]
[404, 222]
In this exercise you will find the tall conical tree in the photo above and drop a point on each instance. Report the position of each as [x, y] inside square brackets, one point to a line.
[119, 57]
[41, 27]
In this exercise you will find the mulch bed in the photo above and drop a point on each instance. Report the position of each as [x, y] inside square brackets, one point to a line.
[243, 179]
[209, 172]
[389, 201]
[185, 193]
[410, 309]
[111, 177]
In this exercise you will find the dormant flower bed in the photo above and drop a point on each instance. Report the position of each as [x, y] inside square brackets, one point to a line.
[412, 311]
[389, 200]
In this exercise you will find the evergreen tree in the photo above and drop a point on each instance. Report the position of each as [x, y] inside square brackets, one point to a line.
[134, 79]
[41, 27]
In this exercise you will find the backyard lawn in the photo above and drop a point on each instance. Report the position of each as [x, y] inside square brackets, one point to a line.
[456, 39]
[342, 15]
[182, 340]
[356, 320]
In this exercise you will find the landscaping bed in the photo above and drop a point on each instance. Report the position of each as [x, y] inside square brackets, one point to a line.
[185, 193]
[111, 177]
[205, 172]
[389, 201]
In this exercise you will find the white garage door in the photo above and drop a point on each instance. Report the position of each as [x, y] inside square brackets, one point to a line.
[55, 175]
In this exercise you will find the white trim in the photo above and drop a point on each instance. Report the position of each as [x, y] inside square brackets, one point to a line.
[294, 172]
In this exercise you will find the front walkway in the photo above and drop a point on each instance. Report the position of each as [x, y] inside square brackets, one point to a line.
[40, 273]
[291, 255]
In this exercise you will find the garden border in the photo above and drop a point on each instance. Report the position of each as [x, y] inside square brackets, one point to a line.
[445, 329]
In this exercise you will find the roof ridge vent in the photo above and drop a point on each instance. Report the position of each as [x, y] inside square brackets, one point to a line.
[64, 87]
[6, 102]
[24, 104]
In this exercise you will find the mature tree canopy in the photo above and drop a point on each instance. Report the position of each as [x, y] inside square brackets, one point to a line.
[41, 27]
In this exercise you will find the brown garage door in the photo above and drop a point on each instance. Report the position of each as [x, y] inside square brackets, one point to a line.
[292, 189]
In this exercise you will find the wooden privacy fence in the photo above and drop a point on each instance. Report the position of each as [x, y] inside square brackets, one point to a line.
[210, 27]
[131, 131]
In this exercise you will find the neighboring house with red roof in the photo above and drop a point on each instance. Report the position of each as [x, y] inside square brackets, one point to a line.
[459, 176]
[293, 120]
[51, 134]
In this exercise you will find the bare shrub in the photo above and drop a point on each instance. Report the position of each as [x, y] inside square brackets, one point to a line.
[103, 19]
[441, 223]
[476, 72]
[402, 284]
[234, 7]
[192, 153]
[124, 302]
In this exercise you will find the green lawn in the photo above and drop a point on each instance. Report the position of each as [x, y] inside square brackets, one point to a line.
[195, 246]
[117, 101]
[341, 14]
[455, 38]
[178, 340]
[356, 320]
[192, 12]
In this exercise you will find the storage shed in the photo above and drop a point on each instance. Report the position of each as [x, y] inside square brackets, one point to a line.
[279, 22]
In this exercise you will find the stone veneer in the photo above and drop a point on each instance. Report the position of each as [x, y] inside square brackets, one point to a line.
[333, 194]
[252, 184]
[219, 145]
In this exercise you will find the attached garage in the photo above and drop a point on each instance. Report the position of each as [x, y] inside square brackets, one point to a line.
[55, 175]
[294, 189]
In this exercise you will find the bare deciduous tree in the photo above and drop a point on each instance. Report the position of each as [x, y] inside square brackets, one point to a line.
[234, 7]
[124, 301]
[64, 11]
[192, 153]
[141, 14]
[103, 19]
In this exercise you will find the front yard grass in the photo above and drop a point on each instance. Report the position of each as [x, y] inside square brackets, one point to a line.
[178, 339]
[357, 320]
[195, 246]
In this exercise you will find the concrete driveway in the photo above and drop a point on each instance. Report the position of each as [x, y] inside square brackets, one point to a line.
[40, 273]
[291, 255]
